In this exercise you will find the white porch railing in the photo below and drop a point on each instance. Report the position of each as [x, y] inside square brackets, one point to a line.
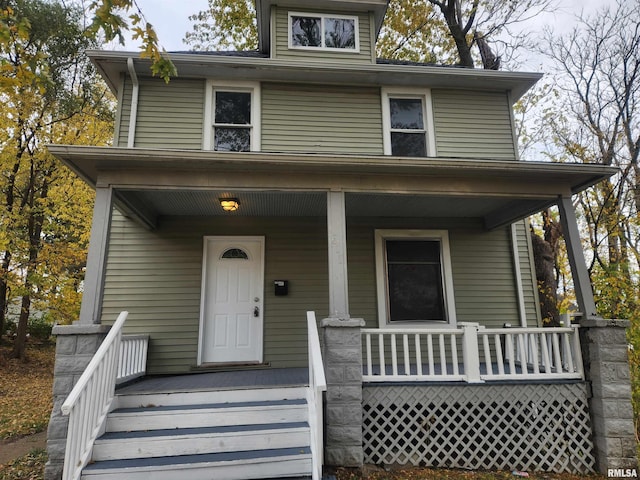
[132, 361]
[317, 385]
[531, 353]
[91, 398]
[471, 353]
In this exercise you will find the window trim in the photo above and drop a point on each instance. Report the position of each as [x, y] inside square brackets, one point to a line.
[322, 16]
[208, 124]
[447, 276]
[427, 112]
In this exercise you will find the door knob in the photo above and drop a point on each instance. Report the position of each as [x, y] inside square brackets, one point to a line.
[256, 312]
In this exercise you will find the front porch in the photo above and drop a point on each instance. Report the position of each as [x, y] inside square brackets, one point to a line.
[326, 224]
[531, 410]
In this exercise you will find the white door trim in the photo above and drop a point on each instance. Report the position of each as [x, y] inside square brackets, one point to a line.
[233, 241]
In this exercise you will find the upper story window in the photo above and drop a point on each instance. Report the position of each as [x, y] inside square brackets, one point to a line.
[232, 116]
[408, 125]
[232, 121]
[323, 31]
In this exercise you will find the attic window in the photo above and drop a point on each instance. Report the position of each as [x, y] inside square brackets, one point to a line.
[328, 32]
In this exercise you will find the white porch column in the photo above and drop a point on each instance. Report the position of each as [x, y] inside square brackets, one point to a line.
[97, 257]
[337, 243]
[582, 283]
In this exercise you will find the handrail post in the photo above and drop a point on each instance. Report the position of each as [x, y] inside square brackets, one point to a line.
[317, 385]
[470, 351]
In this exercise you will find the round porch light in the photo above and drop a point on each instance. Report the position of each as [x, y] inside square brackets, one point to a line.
[229, 204]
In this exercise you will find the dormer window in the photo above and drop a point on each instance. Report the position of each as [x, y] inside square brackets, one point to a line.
[323, 31]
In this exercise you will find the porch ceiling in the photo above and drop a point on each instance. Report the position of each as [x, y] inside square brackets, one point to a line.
[287, 204]
[150, 183]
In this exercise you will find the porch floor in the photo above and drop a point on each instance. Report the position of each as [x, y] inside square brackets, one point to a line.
[211, 381]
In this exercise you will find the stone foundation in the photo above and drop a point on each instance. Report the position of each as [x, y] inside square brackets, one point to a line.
[605, 356]
[75, 347]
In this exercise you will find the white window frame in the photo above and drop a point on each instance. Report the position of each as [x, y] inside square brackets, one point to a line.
[442, 236]
[208, 124]
[322, 17]
[427, 114]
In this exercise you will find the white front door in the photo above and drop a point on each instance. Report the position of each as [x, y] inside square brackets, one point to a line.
[232, 289]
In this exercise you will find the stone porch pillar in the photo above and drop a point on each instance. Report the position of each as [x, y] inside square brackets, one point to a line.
[343, 370]
[606, 361]
[77, 344]
[75, 347]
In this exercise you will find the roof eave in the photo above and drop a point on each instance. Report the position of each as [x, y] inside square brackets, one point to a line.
[194, 65]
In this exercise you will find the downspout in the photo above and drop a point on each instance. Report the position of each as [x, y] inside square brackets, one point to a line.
[518, 273]
[133, 115]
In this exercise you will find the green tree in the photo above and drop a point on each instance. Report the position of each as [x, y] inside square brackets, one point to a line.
[109, 18]
[50, 93]
[225, 25]
[430, 31]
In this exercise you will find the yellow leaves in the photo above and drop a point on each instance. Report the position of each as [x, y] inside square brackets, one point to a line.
[107, 19]
[25, 391]
[27, 467]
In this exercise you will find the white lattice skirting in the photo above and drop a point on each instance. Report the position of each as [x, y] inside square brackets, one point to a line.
[531, 427]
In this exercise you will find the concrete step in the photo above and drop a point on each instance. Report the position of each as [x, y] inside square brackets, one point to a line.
[207, 415]
[265, 464]
[204, 440]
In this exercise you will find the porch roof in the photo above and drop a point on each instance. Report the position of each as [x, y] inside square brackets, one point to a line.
[148, 182]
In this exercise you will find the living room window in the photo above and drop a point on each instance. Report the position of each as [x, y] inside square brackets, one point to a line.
[320, 31]
[232, 113]
[414, 278]
[408, 126]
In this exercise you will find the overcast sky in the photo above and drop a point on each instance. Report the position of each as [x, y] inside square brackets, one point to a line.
[170, 19]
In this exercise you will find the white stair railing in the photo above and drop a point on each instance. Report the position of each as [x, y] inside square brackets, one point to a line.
[317, 385]
[471, 353]
[88, 403]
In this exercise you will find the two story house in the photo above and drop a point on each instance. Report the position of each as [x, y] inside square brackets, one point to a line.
[310, 176]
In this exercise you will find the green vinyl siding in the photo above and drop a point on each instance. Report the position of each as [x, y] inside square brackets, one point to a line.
[156, 276]
[125, 113]
[281, 49]
[528, 274]
[169, 115]
[473, 124]
[318, 119]
[483, 277]
[482, 265]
